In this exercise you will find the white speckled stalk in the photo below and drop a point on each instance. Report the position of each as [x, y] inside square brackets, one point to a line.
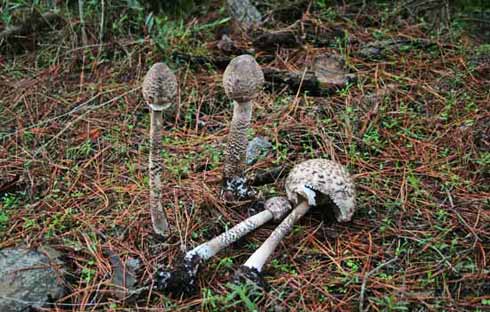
[242, 81]
[275, 208]
[159, 90]
[236, 149]
[158, 216]
[261, 255]
[212, 247]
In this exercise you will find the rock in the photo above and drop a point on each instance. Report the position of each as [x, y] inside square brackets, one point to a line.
[29, 279]
[123, 275]
[245, 13]
[330, 71]
[256, 149]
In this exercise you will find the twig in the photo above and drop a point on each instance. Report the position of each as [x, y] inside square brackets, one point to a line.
[461, 219]
[71, 123]
[74, 110]
[365, 280]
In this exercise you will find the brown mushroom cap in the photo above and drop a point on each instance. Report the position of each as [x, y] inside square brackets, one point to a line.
[243, 78]
[159, 87]
[321, 176]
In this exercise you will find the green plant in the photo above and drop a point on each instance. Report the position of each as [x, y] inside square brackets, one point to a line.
[226, 262]
[390, 303]
[244, 295]
[210, 301]
[283, 267]
[82, 151]
[4, 219]
[59, 222]
[88, 272]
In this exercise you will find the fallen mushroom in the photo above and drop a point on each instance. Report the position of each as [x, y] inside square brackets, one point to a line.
[315, 182]
[242, 80]
[159, 91]
[182, 280]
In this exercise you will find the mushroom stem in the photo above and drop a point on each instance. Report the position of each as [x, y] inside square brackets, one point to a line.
[315, 182]
[242, 81]
[260, 256]
[158, 216]
[183, 278]
[212, 247]
[159, 90]
[237, 140]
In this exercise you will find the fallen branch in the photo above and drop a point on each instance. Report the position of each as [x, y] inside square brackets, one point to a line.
[308, 81]
[297, 35]
[304, 82]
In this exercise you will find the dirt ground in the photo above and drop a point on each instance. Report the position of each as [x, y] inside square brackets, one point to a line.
[413, 128]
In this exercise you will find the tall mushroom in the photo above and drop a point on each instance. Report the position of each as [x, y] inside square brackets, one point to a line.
[159, 91]
[315, 182]
[242, 81]
[182, 280]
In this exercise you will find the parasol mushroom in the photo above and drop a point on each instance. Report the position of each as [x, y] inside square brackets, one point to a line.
[182, 280]
[315, 182]
[242, 80]
[159, 91]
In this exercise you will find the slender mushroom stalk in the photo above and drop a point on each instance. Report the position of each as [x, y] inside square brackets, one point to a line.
[242, 80]
[159, 91]
[182, 280]
[311, 183]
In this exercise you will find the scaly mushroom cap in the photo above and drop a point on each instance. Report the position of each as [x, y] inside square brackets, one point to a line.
[279, 206]
[326, 177]
[243, 78]
[159, 87]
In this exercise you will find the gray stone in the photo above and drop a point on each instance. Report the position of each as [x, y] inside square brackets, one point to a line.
[245, 13]
[124, 275]
[29, 278]
[256, 149]
[330, 71]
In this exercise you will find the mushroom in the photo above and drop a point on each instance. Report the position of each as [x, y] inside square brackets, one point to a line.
[314, 182]
[242, 80]
[182, 280]
[159, 91]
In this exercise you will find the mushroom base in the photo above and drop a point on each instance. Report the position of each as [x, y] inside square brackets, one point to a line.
[180, 281]
[246, 275]
[237, 188]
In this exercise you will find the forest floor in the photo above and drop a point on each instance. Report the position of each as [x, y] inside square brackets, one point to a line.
[413, 129]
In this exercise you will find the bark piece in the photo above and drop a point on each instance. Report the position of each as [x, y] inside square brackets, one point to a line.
[381, 48]
[271, 40]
